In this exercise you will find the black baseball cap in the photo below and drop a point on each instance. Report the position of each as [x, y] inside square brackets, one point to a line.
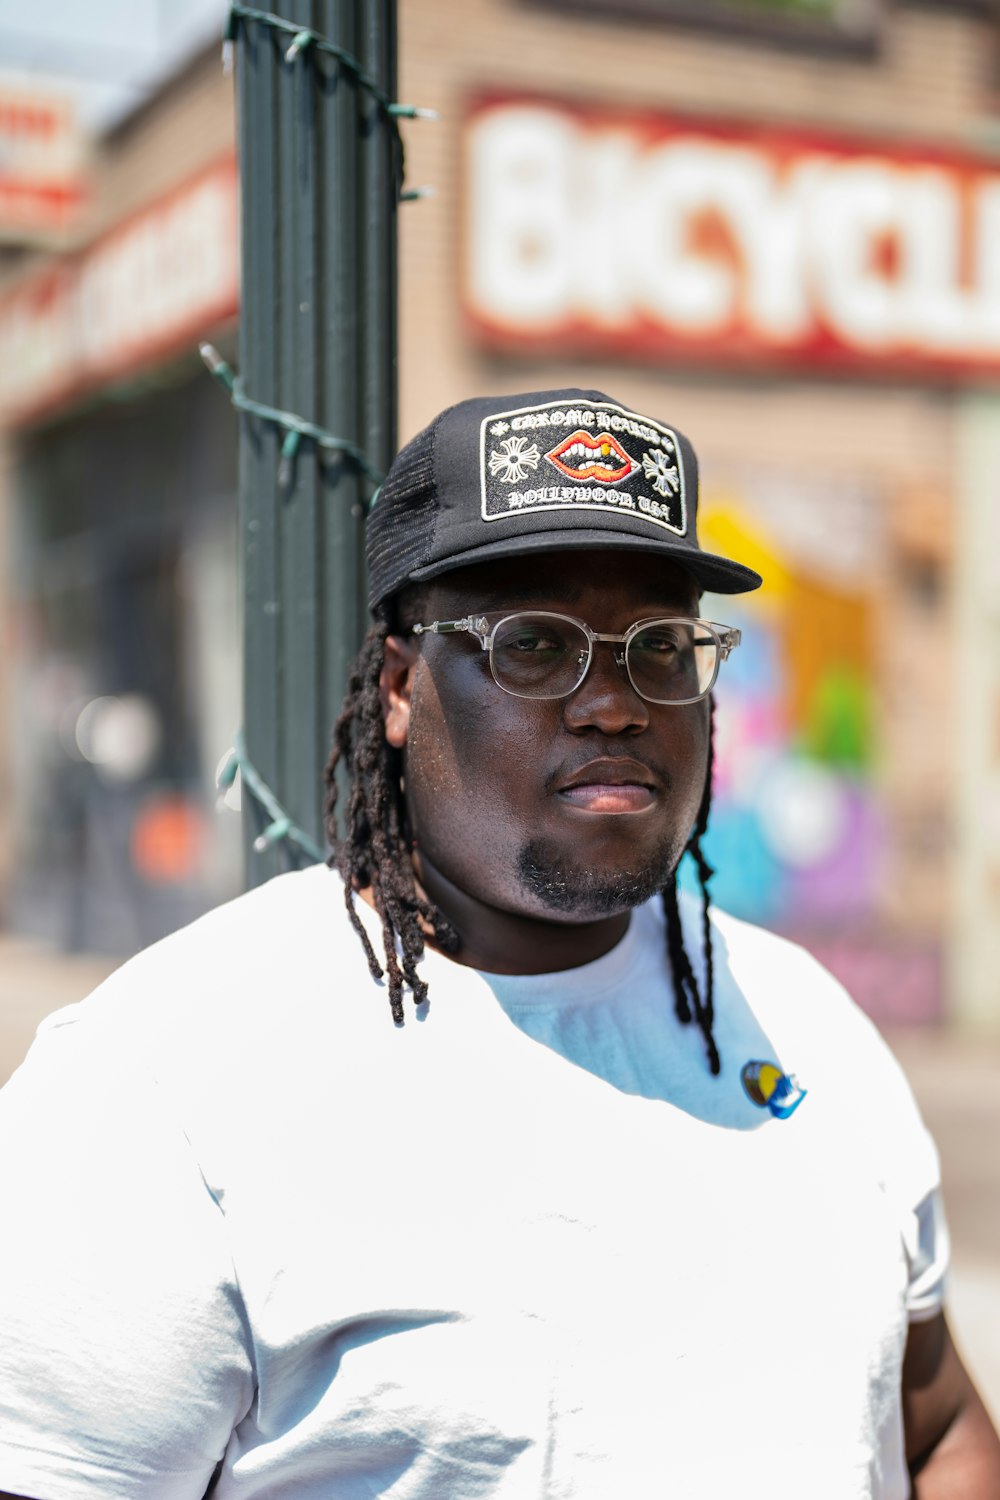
[504, 476]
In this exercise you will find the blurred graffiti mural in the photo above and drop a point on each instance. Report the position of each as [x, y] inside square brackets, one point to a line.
[799, 823]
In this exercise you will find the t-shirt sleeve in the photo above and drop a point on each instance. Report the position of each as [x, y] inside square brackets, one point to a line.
[125, 1362]
[928, 1252]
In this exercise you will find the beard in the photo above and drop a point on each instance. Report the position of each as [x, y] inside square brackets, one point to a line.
[584, 893]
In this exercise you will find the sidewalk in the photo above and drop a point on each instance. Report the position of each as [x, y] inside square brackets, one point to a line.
[956, 1081]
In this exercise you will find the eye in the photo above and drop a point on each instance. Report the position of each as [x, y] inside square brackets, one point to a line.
[531, 641]
[535, 638]
[662, 640]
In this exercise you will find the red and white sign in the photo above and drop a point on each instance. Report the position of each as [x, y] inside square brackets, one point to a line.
[667, 238]
[41, 165]
[154, 284]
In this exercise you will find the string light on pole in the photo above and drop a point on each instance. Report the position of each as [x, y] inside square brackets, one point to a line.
[295, 428]
[281, 827]
[304, 39]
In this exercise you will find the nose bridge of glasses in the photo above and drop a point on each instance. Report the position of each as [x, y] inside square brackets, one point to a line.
[588, 658]
[603, 638]
[586, 653]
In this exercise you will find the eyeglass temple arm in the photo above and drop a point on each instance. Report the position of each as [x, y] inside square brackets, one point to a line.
[728, 637]
[449, 627]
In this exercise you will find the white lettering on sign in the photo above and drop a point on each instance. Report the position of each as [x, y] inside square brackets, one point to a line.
[155, 284]
[680, 237]
[42, 161]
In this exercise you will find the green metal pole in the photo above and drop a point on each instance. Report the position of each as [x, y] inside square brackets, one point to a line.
[319, 179]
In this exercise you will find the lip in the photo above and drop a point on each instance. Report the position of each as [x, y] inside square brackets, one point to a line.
[584, 456]
[610, 786]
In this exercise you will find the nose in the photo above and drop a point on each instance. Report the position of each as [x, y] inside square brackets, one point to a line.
[606, 699]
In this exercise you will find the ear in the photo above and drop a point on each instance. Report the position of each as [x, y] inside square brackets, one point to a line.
[395, 685]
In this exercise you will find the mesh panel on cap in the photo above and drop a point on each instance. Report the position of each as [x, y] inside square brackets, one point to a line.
[401, 526]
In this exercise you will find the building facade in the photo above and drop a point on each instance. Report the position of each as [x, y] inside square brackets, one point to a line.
[773, 223]
[120, 687]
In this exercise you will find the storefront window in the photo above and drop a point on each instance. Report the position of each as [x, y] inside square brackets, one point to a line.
[124, 666]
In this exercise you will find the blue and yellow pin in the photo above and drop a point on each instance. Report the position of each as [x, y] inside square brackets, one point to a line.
[772, 1089]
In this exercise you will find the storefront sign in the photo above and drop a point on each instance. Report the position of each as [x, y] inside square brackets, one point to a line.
[41, 165]
[658, 237]
[149, 288]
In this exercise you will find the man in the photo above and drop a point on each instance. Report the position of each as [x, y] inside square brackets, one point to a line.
[630, 1201]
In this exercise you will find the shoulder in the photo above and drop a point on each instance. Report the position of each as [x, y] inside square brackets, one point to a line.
[787, 988]
[243, 979]
[770, 987]
[231, 956]
[261, 1014]
[835, 1049]
[778, 979]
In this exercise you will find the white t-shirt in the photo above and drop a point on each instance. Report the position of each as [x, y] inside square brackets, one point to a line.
[525, 1246]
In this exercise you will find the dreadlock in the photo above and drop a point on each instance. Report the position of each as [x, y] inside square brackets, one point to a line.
[375, 849]
[689, 1001]
[375, 852]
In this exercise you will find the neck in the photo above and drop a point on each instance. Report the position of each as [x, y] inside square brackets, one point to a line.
[505, 942]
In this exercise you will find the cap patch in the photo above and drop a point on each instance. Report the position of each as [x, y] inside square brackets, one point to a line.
[604, 457]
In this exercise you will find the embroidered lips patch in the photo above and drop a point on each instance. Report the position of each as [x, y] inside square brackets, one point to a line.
[581, 456]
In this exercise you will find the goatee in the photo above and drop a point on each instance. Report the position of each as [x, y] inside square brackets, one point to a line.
[577, 891]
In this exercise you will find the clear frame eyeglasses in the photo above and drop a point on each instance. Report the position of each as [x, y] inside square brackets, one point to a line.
[538, 654]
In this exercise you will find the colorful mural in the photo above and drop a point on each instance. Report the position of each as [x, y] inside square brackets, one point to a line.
[800, 827]
[795, 825]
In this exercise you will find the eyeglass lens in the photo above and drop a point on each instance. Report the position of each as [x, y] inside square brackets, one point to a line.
[545, 656]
